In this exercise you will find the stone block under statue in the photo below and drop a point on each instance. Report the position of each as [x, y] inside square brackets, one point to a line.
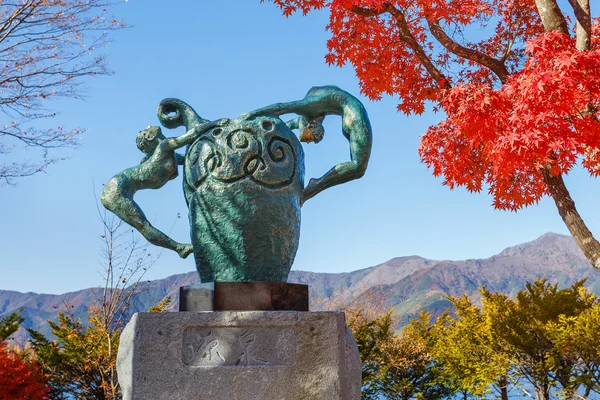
[228, 355]
[244, 296]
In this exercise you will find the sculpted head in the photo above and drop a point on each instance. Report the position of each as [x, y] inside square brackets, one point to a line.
[148, 139]
[311, 130]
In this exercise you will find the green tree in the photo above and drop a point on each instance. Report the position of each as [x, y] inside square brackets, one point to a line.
[526, 327]
[545, 336]
[577, 339]
[408, 367]
[468, 353]
[10, 324]
[161, 306]
[81, 360]
[396, 366]
[371, 330]
[78, 361]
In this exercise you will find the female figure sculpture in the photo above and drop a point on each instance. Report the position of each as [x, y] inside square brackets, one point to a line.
[158, 166]
[243, 181]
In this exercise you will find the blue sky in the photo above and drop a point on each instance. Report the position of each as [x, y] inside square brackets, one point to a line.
[225, 58]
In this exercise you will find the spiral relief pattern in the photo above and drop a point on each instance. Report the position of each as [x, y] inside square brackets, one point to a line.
[229, 155]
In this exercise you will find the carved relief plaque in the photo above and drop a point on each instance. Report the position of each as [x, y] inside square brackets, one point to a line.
[238, 347]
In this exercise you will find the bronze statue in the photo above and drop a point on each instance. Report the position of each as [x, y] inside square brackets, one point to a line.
[243, 181]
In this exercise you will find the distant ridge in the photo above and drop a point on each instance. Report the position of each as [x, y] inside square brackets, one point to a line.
[407, 284]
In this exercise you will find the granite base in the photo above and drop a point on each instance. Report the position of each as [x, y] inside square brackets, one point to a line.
[278, 355]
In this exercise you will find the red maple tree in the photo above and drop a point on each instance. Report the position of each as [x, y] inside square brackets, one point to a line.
[521, 94]
[20, 379]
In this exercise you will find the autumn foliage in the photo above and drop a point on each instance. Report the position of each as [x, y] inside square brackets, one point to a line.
[504, 137]
[520, 88]
[20, 379]
[543, 340]
[516, 101]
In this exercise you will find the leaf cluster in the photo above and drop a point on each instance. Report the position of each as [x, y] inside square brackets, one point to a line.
[80, 360]
[544, 330]
[19, 378]
[10, 324]
[545, 337]
[395, 366]
[161, 306]
[20, 375]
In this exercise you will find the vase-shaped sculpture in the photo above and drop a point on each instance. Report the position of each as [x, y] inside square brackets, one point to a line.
[243, 184]
[243, 181]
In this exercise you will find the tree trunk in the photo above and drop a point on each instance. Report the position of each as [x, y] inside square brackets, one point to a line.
[542, 392]
[552, 18]
[566, 208]
[502, 384]
[584, 23]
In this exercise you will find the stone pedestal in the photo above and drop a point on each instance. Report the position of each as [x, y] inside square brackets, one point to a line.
[253, 355]
[244, 296]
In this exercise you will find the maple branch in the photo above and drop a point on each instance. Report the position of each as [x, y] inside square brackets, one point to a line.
[584, 23]
[367, 12]
[407, 37]
[552, 18]
[512, 24]
[495, 65]
[506, 54]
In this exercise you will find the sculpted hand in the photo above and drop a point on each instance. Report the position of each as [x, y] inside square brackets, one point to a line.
[184, 250]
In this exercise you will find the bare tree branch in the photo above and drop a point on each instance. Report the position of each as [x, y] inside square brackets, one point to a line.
[47, 48]
[9, 172]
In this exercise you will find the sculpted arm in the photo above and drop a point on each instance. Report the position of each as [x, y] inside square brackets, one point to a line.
[190, 136]
[331, 100]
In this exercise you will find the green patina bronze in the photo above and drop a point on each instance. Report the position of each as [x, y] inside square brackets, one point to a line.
[243, 181]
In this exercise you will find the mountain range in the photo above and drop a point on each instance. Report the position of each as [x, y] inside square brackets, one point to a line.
[406, 284]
